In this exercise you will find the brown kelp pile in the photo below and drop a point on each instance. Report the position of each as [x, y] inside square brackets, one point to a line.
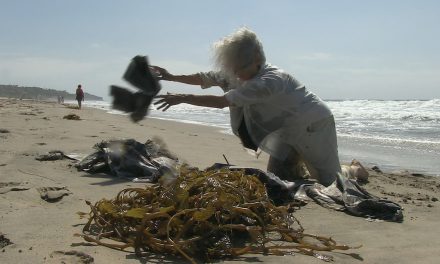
[202, 215]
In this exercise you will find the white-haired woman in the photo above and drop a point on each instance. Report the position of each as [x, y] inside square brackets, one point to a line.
[270, 110]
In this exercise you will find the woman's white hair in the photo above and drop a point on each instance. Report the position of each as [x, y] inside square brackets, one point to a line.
[238, 50]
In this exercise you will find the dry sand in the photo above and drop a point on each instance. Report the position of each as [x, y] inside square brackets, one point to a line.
[42, 232]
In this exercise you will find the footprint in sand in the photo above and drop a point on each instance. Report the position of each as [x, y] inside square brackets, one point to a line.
[12, 186]
[53, 194]
[28, 114]
[70, 257]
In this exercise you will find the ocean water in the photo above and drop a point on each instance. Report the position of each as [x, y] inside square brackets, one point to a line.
[393, 135]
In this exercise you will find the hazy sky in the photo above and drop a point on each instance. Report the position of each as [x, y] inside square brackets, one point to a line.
[338, 49]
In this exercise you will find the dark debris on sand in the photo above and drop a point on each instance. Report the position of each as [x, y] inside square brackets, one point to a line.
[4, 241]
[72, 117]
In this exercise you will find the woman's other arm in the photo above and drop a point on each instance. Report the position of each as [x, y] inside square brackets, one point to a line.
[163, 74]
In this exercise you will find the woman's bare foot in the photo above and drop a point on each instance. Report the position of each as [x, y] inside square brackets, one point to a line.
[358, 171]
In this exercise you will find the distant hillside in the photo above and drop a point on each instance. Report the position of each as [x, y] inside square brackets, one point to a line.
[15, 91]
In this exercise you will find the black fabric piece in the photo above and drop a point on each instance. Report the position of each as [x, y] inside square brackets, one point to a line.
[139, 75]
[123, 99]
[136, 103]
[245, 138]
[359, 202]
[347, 195]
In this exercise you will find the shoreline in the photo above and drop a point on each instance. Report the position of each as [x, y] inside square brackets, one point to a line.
[39, 229]
[348, 147]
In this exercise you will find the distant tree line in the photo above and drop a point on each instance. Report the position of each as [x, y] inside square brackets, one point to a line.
[37, 93]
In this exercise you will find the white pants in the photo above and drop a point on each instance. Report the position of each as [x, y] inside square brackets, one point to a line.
[317, 146]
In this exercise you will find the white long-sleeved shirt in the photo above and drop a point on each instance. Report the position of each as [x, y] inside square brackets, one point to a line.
[276, 108]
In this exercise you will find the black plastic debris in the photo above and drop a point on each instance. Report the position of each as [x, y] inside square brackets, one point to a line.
[136, 103]
[129, 158]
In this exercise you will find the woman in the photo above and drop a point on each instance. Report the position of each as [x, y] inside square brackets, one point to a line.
[269, 109]
[79, 95]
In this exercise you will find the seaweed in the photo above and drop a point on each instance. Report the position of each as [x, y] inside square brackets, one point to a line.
[202, 215]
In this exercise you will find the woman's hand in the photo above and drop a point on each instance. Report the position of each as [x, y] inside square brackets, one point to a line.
[161, 73]
[169, 100]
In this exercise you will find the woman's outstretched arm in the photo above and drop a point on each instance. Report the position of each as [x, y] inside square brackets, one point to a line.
[168, 100]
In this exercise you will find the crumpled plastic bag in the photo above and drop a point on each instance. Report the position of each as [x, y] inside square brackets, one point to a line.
[129, 158]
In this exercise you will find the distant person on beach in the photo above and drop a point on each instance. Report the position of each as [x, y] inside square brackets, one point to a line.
[79, 95]
[269, 109]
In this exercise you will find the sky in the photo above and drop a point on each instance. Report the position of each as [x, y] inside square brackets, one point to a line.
[376, 49]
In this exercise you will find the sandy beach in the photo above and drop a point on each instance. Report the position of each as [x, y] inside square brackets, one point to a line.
[33, 230]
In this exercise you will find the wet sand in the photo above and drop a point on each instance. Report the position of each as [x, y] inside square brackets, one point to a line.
[33, 230]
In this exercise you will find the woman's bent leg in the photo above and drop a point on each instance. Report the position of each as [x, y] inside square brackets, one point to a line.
[289, 169]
